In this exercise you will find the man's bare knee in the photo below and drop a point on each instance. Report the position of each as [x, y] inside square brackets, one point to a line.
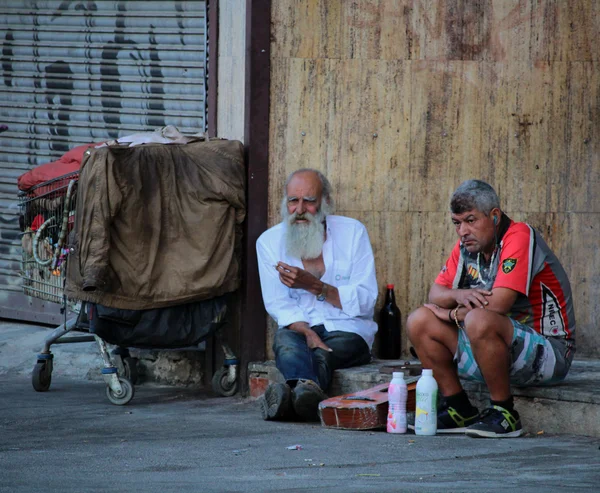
[486, 326]
[434, 340]
[418, 322]
[480, 323]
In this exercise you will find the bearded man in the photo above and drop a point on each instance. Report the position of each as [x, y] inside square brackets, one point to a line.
[317, 275]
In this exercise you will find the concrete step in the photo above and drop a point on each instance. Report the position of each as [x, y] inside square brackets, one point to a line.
[570, 407]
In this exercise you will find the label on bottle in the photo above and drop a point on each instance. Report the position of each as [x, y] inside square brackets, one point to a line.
[396, 421]
[426, 412]
[396, 418]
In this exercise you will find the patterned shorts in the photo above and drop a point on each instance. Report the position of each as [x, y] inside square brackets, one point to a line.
[535, 359]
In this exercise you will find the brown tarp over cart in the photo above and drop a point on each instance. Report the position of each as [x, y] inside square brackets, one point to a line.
[158, 225]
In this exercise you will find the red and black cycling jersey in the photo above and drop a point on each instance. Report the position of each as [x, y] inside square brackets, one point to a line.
[524, 263]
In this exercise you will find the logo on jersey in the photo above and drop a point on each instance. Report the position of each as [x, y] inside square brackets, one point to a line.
[508, 265]
[552, 320]
[473, 272]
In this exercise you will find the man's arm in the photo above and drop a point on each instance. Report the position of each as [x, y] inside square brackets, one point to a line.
[296, 278]
[356, 298]
[312, 339]
[500, 301]
[442, 293]
[283, 309]
[450, 298]
[278, 303]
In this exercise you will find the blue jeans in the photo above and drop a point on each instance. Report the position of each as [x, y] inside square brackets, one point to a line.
[297, 361]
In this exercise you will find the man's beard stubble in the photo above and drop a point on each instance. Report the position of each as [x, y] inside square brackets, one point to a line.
[305, 240]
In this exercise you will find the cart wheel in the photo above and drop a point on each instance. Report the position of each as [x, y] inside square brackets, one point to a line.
[220, 384]
[131, 369]
[124, 397]
[41, 376]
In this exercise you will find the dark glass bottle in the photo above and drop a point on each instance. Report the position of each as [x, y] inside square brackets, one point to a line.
[390, 325]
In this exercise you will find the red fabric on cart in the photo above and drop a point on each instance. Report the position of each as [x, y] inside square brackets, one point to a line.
[37, 222]
[67, 163]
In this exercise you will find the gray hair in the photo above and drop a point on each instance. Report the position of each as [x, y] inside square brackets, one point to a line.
[474, 195]
[326, 190]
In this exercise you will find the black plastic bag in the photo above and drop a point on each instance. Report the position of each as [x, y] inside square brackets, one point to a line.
[173, 327]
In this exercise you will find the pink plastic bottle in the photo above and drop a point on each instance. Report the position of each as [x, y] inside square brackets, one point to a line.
[397, 393]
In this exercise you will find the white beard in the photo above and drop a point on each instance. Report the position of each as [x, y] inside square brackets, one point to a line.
[305, 240]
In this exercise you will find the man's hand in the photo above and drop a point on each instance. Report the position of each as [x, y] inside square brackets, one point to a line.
[312, 339]
[449, 298]
[444, 314]
[297, 278]
[472, 298]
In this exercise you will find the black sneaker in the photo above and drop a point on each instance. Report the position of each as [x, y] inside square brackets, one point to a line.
[276, 403]
[305, 398]
[451, 421]
[496, 422]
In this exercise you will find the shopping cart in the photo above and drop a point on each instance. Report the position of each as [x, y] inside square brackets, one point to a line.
[47, 219]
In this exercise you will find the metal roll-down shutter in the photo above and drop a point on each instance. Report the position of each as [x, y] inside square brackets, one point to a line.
[78, 72]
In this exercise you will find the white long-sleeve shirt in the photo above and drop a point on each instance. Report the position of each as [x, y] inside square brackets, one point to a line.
[349, 266]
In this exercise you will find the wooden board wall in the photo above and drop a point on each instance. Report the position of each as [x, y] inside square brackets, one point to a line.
[398, 101]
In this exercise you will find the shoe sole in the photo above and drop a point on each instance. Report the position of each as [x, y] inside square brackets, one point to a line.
[451, 431]
[445, 431]
[307, 408]
[274, 403]
[264, 408]
[266, 411]
[306, 405]
[491, 434]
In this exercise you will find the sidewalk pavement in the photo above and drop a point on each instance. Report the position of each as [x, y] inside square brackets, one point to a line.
[20, 343]
[71, 439]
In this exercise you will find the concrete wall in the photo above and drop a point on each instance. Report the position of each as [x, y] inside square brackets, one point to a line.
[398, 101]
[232, 62]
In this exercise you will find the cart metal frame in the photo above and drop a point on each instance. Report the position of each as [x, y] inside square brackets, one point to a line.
[48, 212]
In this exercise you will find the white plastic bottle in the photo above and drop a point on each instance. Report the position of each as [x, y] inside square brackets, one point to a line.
[426, 405]
[397, 394]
